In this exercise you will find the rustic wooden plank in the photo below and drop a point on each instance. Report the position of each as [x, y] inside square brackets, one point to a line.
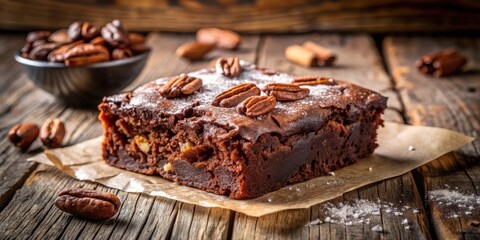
[13, 170]
[31, 213]
[360, 63]
[449, 102]
[248, 15]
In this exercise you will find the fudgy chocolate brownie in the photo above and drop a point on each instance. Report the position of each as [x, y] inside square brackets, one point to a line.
[200, 129]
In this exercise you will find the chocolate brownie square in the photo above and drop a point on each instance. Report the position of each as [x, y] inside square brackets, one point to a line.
[239, 130]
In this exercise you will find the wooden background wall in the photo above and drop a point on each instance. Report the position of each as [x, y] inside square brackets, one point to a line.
[252, 16]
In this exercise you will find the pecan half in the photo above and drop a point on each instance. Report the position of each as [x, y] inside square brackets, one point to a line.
[88, 204]
[38, 35]
[61, 37]
[115, 35]
[256, 105]
[180, 86]
[441, 63]
[229, 67]
[286, 92]
[85, 54]
[41, 52]
[58, 55]
[121, 53]
[313, 80]
[23, 135]
[75, 31]
[233, 96]
[89, 31]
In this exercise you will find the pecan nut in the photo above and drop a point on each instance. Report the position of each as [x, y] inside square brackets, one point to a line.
[23, 135]
[85, 54]
[52, 133]
[229, 67]
[88, 204]
[180, 86]
[233, 96]
[115, 35]
[313, 80]
[121, 53]
[75, 31]
[256, 105]
[219, 37]
[89, 31]
[286, 92]
[58, 55]
[60, 37]
[441, 63]
[193, 50]
[41, 52]
[38, 35]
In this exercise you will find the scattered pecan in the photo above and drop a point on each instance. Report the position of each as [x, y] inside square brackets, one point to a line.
[286, 92]
[88, 204]
[194, 50]
[233, 96]
[180, 86]
[441, 63]
[52, 133]
[219, 37]
[23, 135]
[229, 67]
[115, 35]
[313, 80]
[85, 54]
[256, 105]
[121, 53]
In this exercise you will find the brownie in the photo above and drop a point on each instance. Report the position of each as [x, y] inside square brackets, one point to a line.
[189, 140]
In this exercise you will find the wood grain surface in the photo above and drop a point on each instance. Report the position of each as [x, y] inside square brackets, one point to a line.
[450, 102]
[28, 211]
[253, 16]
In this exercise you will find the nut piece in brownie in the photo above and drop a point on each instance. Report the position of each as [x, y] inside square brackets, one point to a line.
[240, 136]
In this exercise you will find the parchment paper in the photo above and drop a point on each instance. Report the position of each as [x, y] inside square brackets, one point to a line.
[393, 157]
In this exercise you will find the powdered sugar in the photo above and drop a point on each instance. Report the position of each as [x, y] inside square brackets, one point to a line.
[363, 211]
[456, 204]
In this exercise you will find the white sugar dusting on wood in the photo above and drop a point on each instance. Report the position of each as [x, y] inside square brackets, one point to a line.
[455, 204]
[362, 212]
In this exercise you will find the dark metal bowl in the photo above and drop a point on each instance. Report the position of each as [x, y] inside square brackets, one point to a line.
[83, 86]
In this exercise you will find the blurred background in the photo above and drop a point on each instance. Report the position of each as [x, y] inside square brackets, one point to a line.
[248, 16]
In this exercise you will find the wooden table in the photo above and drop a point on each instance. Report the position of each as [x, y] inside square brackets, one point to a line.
[385, 64]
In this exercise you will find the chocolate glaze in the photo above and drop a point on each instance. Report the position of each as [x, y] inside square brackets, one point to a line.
[286, 119]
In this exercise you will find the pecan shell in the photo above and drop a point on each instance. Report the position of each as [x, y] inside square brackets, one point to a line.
[23, 135]
[229, 67]
[313, 80]
[256, 105]
[180, 86]
[286, 92]
[233, 96]
[52, 133]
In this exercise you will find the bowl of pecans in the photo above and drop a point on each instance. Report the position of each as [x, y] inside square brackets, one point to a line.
[82, 64]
